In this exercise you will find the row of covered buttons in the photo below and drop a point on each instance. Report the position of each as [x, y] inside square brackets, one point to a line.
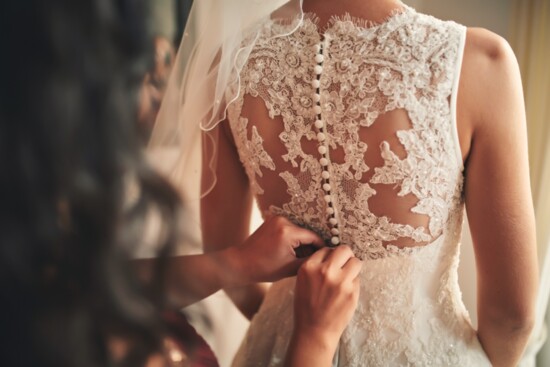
[323, 150]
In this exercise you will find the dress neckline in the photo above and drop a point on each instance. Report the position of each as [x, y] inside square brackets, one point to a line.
[358, 22]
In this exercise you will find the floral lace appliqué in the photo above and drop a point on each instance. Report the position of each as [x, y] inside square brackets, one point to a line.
[406, 63]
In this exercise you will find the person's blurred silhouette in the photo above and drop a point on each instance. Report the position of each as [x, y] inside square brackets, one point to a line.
[166, 20]
[68, 144]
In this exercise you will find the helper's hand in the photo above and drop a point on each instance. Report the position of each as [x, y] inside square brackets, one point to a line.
[270, 253]
[327, 292]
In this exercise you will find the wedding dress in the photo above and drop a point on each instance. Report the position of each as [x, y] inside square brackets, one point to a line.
[349, 129]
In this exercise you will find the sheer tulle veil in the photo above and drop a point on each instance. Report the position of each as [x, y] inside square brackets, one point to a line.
[205, 79]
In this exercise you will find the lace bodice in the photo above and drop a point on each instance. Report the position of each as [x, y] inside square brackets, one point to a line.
[326, 161]
[349, 129]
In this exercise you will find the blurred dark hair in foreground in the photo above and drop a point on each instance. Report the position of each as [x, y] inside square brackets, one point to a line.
[70, 75]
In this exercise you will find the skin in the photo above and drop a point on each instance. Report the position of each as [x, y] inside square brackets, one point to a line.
[493, 139]
[491, 126]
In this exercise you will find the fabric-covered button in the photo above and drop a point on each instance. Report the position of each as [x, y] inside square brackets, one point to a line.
[322, 150]
[323, 161]
[335, 240]
[325, 175]
[318, 69]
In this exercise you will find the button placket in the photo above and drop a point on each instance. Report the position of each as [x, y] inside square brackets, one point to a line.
[323, 146]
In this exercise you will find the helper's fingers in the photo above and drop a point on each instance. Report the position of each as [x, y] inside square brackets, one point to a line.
[339, 257]
[352, 268]
[319, 256]
[303, 236]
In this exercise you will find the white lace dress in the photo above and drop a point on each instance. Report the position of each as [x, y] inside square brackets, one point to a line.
[350, 130]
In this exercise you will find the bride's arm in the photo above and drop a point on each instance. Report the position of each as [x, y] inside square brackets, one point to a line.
[498, 196]
[225, 215]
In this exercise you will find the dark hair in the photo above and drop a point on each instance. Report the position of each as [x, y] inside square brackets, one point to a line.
[70, 74]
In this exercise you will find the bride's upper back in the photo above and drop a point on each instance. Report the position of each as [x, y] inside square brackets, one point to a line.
[347, 126]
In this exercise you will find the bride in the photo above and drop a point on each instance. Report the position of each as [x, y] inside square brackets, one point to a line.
[376, 126]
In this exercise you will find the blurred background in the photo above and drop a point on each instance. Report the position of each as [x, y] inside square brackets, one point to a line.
[526, 26]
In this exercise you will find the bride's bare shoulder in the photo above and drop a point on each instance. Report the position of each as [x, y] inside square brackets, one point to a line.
[482, 42]
[487, 55]
[489, 76]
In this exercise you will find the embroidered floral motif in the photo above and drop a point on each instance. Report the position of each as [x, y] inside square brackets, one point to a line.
[253, 149]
